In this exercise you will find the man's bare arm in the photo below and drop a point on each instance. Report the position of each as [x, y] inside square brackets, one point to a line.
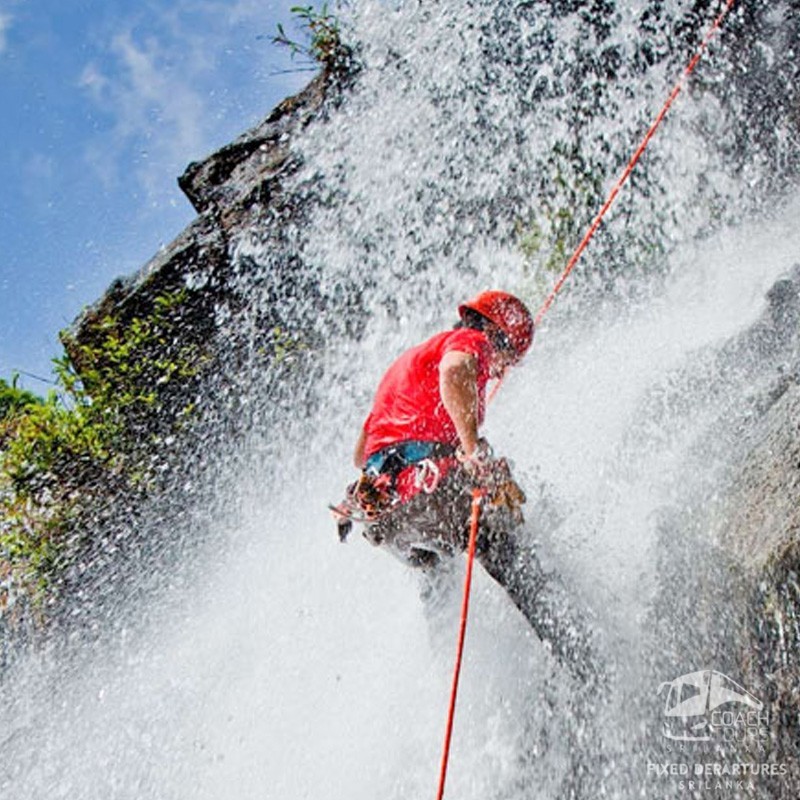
[458, 385]
[358, 453]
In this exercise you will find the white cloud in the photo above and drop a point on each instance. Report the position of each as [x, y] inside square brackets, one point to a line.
[94, 81]
[172, 89]
[152, 99]
[158, 114]
[40, 168]
[5, 24]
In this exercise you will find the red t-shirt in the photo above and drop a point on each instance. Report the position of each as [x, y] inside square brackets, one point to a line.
[408, 404]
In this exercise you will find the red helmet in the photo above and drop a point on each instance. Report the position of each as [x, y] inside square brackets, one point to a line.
[509, 313]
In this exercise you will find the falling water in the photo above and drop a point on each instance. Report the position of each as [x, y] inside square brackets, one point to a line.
[293, 666]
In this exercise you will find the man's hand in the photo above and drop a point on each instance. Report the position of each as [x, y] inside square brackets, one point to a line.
[479, 463]
[493, 475]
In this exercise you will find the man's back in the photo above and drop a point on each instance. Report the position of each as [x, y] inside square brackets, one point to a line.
[408, 403]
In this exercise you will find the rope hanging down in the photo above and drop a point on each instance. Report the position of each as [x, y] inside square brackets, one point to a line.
[476, 496]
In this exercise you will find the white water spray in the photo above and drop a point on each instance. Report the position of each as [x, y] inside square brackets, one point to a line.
[298, 667]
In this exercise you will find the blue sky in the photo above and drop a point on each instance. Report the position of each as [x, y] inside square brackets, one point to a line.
[104, 103]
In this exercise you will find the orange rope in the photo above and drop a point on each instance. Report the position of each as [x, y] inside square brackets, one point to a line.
[632, 163]
[477, 494]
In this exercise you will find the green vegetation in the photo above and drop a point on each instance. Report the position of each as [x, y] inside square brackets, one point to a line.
[569, 194]
[321, 40]
[13, 399]
[90, 435]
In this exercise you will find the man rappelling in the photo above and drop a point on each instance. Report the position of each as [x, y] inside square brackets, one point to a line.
[421, 456]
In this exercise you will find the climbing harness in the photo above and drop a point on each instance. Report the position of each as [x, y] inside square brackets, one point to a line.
[540, 314]
[377, 491]
[427, 476]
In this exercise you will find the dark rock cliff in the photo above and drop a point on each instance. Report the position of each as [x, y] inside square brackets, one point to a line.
[235, 189]
[129, 526]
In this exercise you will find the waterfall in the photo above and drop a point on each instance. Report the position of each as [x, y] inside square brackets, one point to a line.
[294, 666]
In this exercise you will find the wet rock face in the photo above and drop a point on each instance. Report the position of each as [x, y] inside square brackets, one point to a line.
[756, 525]
[762, 523]
[248, 172]
[777, 333]
[729, 552]
[203, 340]
[196, 262]
[760, 520]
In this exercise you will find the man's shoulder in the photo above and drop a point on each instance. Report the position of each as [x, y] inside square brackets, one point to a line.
[466, 340]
